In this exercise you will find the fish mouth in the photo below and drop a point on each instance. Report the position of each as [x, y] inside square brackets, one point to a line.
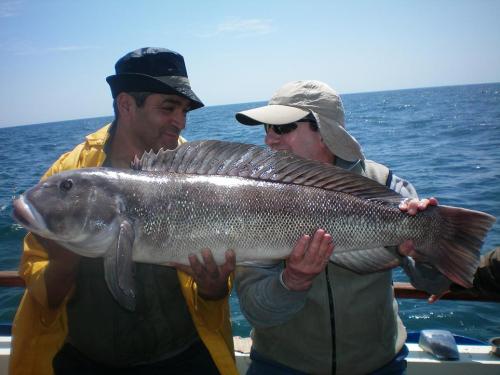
[26, 215]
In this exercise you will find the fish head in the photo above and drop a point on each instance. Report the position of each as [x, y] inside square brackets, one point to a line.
[77, 209]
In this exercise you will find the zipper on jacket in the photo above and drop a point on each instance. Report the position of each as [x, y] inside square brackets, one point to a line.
[332, 321]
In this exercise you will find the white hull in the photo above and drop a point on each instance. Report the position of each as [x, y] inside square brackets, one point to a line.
[4, 354]
[474, 359]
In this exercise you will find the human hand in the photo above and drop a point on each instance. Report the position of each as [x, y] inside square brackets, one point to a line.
[307, 260]
[436, 297]
[412, 206]
[211, 279]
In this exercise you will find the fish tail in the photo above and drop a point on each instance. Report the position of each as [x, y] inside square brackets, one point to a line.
[462, 235]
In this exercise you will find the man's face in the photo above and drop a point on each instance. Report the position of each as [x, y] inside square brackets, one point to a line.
[159, 121]
[303, 141]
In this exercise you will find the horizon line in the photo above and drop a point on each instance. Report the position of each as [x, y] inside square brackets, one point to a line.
[260, 101]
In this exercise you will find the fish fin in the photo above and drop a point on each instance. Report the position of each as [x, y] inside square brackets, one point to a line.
[254, 162]
[365, 261]
[259, 263]
[457, 253]
[119, 268]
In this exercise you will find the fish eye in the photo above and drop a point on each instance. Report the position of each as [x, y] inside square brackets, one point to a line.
[66, 185]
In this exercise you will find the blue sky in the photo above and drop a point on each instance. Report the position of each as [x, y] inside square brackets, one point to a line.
[55, 55]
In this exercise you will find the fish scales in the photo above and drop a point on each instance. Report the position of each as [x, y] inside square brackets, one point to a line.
[181, 214]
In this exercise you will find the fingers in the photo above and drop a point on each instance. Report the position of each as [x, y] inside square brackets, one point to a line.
[315, 250]
[327, 247]
[321, 248]
[210, 278]
[300, 248]
[407, 248]
[412, 206]
[197, 268]
[426, 202]
[436, 297]
[433, 201]
[324, 246]
[433, 298]
[308, 260]
[404, 205]
[210, 267]
[228, 267]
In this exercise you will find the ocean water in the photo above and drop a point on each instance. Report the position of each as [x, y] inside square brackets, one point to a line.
[445, 140]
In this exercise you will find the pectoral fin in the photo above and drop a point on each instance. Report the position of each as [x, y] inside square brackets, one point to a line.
[367, 260]
[119, 268]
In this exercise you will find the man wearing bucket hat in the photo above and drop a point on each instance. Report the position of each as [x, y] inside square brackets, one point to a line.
[310, 316]
[67, 321]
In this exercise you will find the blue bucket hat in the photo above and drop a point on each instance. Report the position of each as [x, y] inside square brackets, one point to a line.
[157, 70]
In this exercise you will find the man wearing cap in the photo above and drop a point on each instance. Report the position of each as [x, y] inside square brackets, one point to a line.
[67, 321]
[310, 316]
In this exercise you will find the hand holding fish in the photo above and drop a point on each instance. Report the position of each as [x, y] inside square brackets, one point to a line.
[436, 297]
[412, 207]
[307, 260]
[211, 279]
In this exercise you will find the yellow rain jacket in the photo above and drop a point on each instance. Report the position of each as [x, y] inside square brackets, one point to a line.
[38, 331]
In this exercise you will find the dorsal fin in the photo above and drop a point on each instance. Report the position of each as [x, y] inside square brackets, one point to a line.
[250, 161]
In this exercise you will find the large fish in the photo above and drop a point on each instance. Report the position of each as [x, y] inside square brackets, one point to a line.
[256, 201]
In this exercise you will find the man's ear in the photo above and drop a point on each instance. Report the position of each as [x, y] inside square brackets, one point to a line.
[125, 104]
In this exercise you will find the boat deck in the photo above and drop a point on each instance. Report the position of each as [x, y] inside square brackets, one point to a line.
[474, 359]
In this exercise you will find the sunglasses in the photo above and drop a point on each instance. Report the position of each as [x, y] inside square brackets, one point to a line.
[281, 129]
[287, 128]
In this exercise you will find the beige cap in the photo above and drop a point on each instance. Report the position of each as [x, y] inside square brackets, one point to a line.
[294, 101]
